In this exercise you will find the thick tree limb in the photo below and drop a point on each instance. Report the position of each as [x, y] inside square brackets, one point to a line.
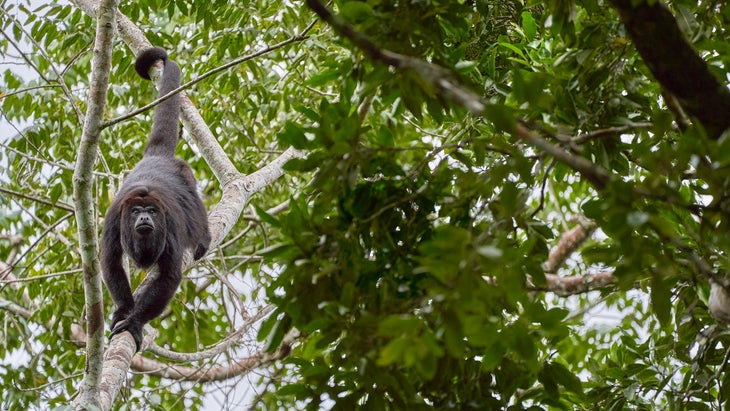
[84, 204]
[117, 359]
[568, 243]
[15, 308]
[675, 63]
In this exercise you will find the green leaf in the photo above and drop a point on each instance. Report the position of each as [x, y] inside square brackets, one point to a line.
[528, 24]
[725, 387]
[292, 389]
[266, 217]
[501, 116]
[529, 87]
[513, 48]
[396, 351]
[356, 11]
[493, 356]
[323, 77]
[292, 135]
[445, 253]
[302, 164]
[266, 326]
[594, 209]
[308, 112]
[661, 302]
[398, 325]
[277, 332]
[412, 96]
[56, 192]
[561, 375]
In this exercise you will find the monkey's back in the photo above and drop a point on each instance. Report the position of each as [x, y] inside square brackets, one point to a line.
[173, 180]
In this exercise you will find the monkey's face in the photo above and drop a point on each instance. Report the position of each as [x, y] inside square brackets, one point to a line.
[143, 218]
[144, 230]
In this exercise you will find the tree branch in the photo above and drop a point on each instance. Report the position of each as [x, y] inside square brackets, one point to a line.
[85, 211]
[450, 88]
[218, 348]
[610, 132]
[439, 77]
[58, 204]
[568, 243]
[565, 286]
[298, 37]
[218, 373]
[199, 132]
[594, 173]
[675, 63]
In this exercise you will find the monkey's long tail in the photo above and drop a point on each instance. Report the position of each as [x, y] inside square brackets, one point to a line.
[164, 135]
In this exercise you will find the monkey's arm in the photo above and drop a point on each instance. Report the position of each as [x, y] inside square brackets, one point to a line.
[153, 299]
[113, 273]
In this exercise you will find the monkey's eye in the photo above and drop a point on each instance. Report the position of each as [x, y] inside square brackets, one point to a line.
[136, 210]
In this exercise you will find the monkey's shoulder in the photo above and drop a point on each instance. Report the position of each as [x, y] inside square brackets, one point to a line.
[165, 173]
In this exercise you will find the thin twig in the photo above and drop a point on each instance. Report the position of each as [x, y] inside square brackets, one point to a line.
[299, 37]
[611, 131]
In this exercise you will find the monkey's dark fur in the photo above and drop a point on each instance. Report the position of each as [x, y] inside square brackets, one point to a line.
[156, 215]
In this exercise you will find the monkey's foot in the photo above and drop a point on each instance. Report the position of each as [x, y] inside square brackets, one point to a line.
[119, 315]
[129, 324]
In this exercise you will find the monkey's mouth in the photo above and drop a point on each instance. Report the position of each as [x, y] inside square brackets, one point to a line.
[144, 228]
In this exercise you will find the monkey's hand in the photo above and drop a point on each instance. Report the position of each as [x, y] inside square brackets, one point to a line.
[132, 325]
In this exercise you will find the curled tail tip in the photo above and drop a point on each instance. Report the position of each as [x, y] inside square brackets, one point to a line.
[146, 58]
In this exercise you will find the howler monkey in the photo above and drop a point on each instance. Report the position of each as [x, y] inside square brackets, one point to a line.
[156, 215]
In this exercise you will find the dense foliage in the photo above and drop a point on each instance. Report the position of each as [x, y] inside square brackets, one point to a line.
[411, 244]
